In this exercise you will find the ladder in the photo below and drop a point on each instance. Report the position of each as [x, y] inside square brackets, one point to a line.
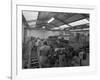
[34, 62]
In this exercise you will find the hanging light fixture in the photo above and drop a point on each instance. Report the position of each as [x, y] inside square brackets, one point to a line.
[51, 19]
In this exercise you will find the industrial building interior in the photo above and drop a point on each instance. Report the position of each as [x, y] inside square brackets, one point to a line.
[54, 39]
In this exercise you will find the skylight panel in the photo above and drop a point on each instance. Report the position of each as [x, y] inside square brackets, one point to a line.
[29, 15]
[80, 22]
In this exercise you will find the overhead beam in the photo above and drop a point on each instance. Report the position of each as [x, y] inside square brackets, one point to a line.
[61, 21]
[78, 26]
[24, 21]
[53, 24]
[78, 20]
[29, 21]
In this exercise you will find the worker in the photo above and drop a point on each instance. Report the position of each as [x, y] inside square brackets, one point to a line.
[29, 50]
[43, 56]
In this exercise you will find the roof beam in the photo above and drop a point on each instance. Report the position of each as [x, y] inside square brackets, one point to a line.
[77, 20]
[61, 21]
[24, 21]
[77, 26]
